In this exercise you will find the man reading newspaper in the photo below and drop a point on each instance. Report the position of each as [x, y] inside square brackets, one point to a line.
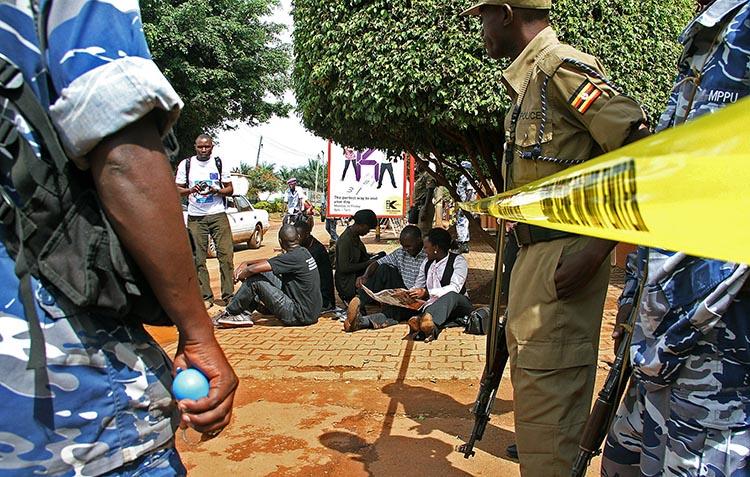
[396, 271]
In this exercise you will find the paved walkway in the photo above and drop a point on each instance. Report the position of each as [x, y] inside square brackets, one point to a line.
[324, 352]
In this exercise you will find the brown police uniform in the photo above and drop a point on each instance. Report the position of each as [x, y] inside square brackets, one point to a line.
[564, 113]
[553, 343]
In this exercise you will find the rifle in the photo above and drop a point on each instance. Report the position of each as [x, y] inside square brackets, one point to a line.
[600, 419]
[488, 386]
[496, 357]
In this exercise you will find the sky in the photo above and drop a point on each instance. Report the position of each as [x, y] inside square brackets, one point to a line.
[285, 141]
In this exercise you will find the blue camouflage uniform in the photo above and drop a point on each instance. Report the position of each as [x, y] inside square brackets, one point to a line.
[111, 410]
[465, 192]
[687, 411]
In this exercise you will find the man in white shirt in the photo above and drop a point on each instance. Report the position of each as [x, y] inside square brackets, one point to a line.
[206, 184]
[442, 282]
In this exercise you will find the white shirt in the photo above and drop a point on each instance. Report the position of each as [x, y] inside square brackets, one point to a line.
[432, 281]
[200, 205]
[295, 200]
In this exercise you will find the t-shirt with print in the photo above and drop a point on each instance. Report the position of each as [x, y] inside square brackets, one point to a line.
[198, 204]
[300, 282]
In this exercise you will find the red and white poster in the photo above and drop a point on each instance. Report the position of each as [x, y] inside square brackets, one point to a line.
[368, 179]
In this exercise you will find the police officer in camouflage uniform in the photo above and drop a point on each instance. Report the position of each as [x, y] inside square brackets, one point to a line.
[104, 406]
[564, 112]
[687, 411]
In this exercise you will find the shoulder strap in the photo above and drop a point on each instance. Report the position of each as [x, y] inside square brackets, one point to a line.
[445, 280]
[217, 160]
[14, 88]
[427, 266]
[187, 170]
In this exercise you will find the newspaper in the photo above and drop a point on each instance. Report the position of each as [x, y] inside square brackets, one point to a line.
[396, 297]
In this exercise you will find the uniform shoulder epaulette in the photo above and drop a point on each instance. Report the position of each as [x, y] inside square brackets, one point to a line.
[559, 57]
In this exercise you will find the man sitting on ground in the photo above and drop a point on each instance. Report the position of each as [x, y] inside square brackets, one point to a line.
[399, 269]
[442, 282]
[351, 255]
[286, 286]
[320, 254]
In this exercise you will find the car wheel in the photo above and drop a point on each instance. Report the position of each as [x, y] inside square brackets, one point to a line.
[257, 237]
[211, 253]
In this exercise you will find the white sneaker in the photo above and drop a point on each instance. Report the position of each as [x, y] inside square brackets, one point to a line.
[243, 320]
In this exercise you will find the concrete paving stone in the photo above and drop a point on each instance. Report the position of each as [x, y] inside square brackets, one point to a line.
[444, 365]
[442, 352]
[362, 375]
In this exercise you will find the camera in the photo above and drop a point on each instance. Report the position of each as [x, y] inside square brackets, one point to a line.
[203, 187]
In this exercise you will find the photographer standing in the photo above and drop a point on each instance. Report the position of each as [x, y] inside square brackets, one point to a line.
[206, 185]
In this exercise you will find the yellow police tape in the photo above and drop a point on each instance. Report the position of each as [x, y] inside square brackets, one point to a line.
[686, 189]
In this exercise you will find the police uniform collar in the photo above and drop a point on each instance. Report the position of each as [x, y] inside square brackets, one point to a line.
[515, 75]
[709, 17]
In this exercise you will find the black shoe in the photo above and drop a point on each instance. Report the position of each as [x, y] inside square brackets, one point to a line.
[512, 451]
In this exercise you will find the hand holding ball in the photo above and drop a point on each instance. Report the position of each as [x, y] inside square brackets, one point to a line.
[189, 384]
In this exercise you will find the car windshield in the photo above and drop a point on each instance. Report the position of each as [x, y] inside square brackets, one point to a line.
[242, 203]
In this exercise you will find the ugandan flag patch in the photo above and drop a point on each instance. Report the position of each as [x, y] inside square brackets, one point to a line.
[585, 96]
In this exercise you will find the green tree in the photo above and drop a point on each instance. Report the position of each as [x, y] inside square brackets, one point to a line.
[260, 179]
[413, 75]
[225, 62]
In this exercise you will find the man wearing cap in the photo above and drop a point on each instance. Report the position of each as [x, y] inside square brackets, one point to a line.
[564, 112]
[352, 258]
[466, 193]
[295, 200]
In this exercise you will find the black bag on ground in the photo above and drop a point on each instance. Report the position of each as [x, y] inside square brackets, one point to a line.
[478, 321]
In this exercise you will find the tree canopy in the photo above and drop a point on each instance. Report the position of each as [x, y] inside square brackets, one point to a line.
[224, 60]
[413, 75]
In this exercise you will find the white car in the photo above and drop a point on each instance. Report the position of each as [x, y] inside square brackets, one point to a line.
[247, 223]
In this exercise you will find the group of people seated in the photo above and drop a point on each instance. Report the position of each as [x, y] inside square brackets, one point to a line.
[297, 286]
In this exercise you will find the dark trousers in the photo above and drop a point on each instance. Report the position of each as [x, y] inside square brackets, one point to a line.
[348, 163]
[448, 308]
[331, 229]
[217, 226]
[385, 277]
[264, 291]
[386, 167]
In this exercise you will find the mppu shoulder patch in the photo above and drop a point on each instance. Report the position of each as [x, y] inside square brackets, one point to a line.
[585, 96]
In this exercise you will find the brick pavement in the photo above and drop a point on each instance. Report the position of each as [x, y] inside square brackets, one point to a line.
[324, 352]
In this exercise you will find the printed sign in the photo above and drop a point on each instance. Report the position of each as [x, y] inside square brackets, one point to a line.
[368, 179]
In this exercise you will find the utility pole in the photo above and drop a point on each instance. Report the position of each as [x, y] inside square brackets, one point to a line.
[317, 169]
[257, 157]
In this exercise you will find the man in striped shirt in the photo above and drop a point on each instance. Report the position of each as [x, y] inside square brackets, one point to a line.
[399, 269]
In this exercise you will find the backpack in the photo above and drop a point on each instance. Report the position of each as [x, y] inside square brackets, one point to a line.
[478, 321]
[60, 233]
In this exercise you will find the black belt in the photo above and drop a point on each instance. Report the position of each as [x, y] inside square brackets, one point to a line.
[526, 234]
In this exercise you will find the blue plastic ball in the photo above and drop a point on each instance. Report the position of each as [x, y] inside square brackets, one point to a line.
[190, 384]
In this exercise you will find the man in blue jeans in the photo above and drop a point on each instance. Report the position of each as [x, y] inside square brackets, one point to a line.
[286, 286]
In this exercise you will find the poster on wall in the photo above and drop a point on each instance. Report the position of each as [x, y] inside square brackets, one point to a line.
[367, 179]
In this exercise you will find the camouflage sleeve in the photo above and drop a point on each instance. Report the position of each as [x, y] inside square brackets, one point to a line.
[667, 334]
[658, 361]
[608, 115]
